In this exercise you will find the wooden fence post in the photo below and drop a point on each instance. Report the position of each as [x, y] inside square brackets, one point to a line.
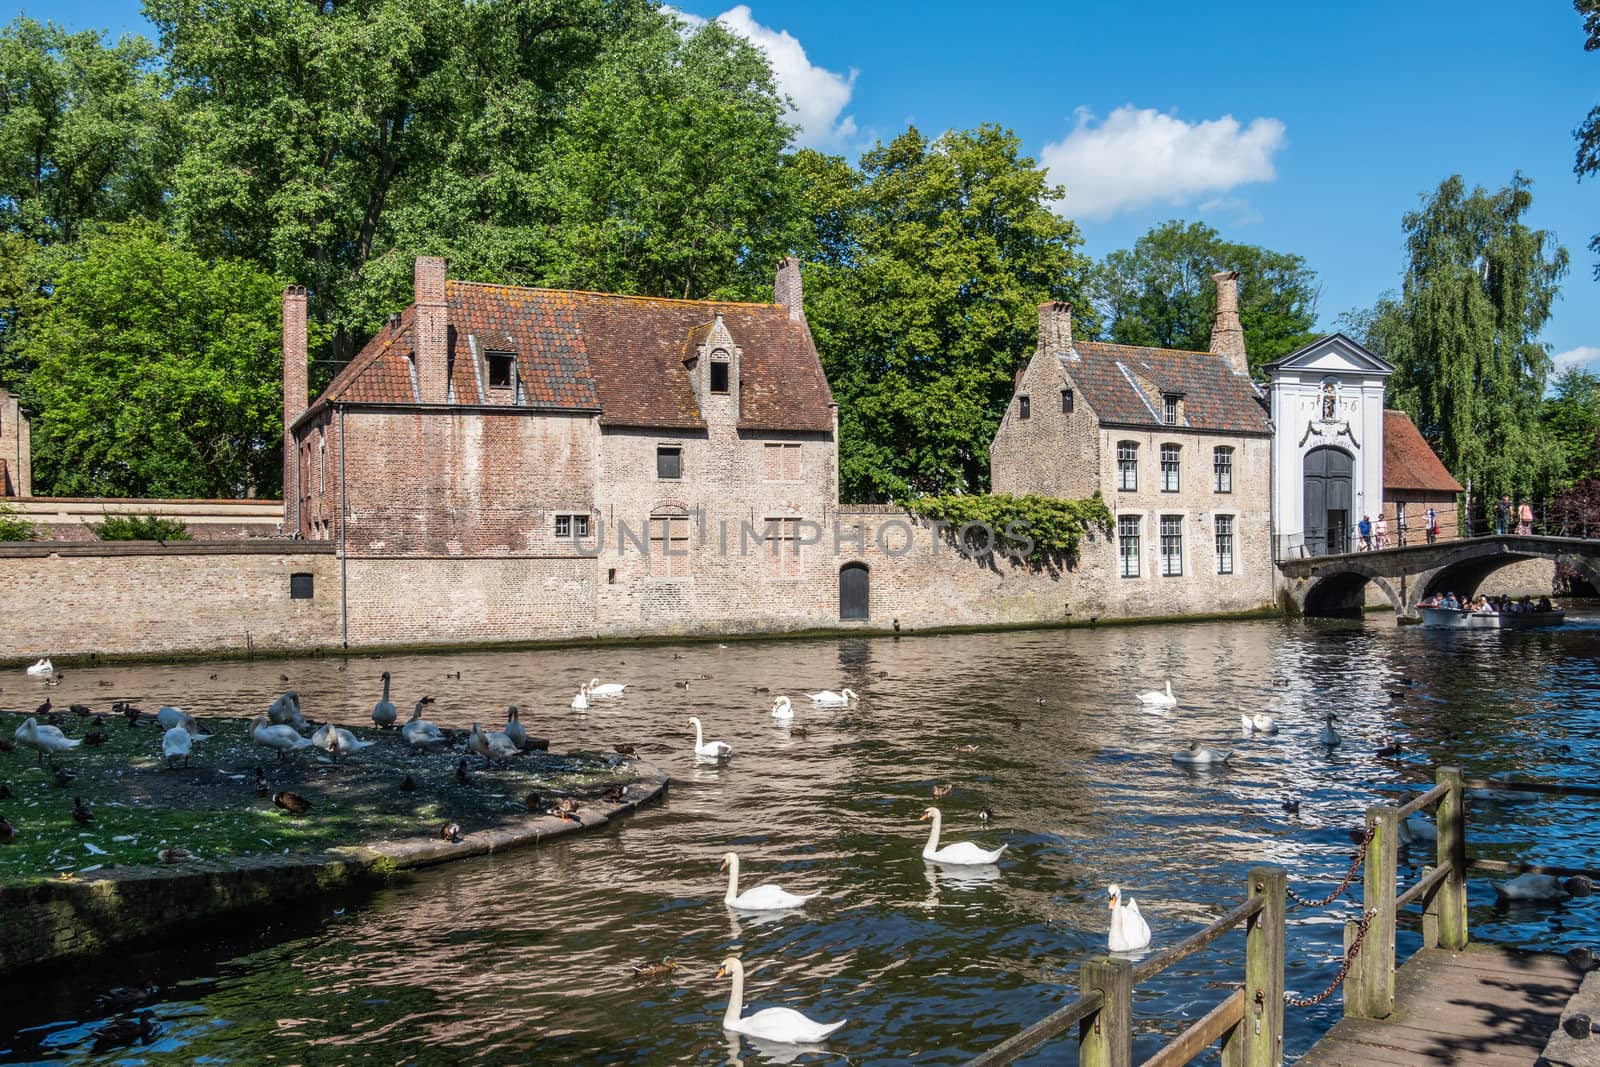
[1263, 969]
[1369, 989]
[1444, 921]
[1105, 1039]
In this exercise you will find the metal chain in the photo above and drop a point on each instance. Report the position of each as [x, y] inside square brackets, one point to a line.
[1344, 968]
[1355, 865]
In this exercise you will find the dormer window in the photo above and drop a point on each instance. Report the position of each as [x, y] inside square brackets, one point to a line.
[719, 372]
[500, 369]
[1169, 408]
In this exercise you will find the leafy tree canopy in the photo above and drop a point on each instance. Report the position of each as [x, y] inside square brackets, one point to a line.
[1572, 417]
[1159, 293]
[1588, 132]
[927, 265]
[158, 372]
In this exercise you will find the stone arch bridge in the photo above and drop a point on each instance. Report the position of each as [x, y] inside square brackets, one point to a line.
[1337, 585]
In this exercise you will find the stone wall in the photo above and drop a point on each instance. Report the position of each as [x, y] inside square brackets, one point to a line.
[74, 518]
[1052, 452]
[16, 449]
[139, 598]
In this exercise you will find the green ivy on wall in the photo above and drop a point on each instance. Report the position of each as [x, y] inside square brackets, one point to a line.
[1055, 527]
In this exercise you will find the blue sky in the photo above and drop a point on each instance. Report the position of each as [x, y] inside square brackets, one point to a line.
[1310, 132]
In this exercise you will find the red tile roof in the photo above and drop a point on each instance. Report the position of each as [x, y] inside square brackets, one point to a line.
[1124, 384]
[1408, 463]
[621, 355]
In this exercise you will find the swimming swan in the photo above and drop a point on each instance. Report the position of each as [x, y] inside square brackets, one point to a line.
[960, 854]
[1198, 755]
[610, 689]
[703, 749]
[581, 701]
[1329, 736]
[770, 1024]
[1258, 723]
[782, 709]
[383, 712]
[763, 897]
[1129, 931]
[829, 699]
[1542, 888]
[1157, 698]
[43, 669]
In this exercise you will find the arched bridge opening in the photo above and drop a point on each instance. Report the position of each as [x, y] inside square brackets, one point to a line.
[1342, 594]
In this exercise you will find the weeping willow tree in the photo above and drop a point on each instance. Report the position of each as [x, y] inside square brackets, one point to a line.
[1464, 335]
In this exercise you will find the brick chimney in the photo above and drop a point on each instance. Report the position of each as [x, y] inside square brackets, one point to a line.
[431, 332]
[1227, 335]
[1055, 327]
[786, 289]
[295, 397]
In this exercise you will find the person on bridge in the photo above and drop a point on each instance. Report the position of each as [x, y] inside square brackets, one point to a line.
[1365, 527]
[1502, 514]
[1380, 532]
[1430, 525]
[1525, 519]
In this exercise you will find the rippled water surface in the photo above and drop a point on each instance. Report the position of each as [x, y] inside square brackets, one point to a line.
[527, 957]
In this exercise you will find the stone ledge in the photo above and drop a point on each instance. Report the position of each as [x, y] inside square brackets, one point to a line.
[53, 923]
[255, 547]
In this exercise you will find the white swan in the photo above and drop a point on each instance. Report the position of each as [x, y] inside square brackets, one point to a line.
[337, 741]
[1258, 723]
[491, 746]
[703, 749]
[48, 740]
[514, 731]
[1542, 888]
[43, 669]
[175, 745]
[770, 1024]
[763, 897]
[276, 735]
[1157, 698]
[1198, 755]
[782, 709]
[1329, 736]
[419, 731]
[960, 854]
[1415, 830]
[1129, 931]
[581, 701]
[169, 716]
[829, 699]
[610, 689]
[383, 712]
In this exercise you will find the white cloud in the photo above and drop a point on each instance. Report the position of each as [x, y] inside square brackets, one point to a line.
[1141, 156]
[818, 96]
[1582, 356]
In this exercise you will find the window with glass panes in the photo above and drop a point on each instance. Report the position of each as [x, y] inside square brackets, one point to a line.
[1171, 546]
[1169, 468]
[1169, 409]
[1222, 469]
[1128, 545]
[1224, 544]
[1127, 466]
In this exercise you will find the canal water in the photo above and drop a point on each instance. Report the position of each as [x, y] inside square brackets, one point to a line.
[528, 957]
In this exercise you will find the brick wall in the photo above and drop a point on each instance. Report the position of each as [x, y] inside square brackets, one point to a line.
[138, 598]
[1051, 452]
[73, 518]
[16, 449]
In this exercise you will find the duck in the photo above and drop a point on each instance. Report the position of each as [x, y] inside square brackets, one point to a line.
[43, 669]
[783, 1025]
[581, 701]
[607, 691]
[711, 750]
[1542, 888]
[175, 745]
[654, 969]
[1258, 723]
[170, 716]
[140, 1029]
[81, 813]
[514, 731]
[337, 741]
[1129, 932]
[1158, 698]
[419, 731]
[48, 740]
[282, 737]
[293, 803]
[1198, 755]
[782, 710]
[960, 854]
[1329, 736]
[1391, 748]
[829, 699]
[763, 897]
[450, 832]
[383, 712]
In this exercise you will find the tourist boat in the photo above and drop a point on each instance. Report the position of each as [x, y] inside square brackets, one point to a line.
[1456, 619]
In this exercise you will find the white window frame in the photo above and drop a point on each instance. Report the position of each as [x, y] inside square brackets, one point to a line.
[1127, 466]
[1128, 545]
[1171, 468]
[1222, 469]
[1170, 533]
[1227, 558]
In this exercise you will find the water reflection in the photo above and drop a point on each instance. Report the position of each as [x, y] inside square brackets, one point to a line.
[528, 957]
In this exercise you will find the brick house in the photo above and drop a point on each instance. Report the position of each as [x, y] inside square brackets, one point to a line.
[16, 449]
[1414, 480]
[615, 460]
[1177, 443]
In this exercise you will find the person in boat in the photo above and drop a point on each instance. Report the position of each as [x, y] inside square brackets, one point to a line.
[1450, 603]
[1483, 607]
[1545, 605]
[1525, 605]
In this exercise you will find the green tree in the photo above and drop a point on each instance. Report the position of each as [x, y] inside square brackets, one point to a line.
[927, 265]
[1463, 335]
[1160, 293]
[85, 132]
[157, 372]
[1572, 417]
[1588, 132]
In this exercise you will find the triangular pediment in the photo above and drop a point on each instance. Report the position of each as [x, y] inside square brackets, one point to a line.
[1333, 353]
